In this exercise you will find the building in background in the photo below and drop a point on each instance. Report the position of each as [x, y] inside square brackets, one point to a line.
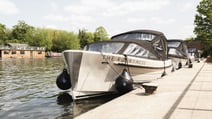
[16, 50]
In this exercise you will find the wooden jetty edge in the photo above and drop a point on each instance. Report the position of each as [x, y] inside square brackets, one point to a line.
[183, 94]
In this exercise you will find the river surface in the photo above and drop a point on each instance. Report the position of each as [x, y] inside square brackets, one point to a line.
[28, 91]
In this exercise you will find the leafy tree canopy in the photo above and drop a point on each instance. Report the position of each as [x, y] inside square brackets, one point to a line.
[63, 40]
[100, 34]
[2, 33]
[51, 39]
[85, 37]
[203, 23]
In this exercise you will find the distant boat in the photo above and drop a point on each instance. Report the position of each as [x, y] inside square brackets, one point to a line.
[178, 52]
[108, 66]
[53, 54]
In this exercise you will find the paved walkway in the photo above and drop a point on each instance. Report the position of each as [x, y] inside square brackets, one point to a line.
[197, 102]
[184, 94]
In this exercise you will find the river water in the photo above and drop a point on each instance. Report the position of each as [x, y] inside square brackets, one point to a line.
[28, 91]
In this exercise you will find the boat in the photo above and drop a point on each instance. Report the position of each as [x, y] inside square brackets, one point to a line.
[107, 67]
[178, 52]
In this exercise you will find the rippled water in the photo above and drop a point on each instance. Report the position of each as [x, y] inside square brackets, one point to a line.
[28, 90]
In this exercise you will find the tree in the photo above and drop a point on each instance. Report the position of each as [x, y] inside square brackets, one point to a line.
[3, 36]
[90, 37]
[52, 40]
[85, 37]
[203, 23]
[100, 34]
[64, 40]
[189, 38]
[22, 31]
[41, 38]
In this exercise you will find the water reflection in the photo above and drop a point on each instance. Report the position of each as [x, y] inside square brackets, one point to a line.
[28, 90]
[65, 100]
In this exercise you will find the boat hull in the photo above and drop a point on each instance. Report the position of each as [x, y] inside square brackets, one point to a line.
[179, 62]
[94, 73]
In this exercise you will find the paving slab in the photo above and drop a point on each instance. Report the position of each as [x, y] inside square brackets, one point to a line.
[183, 94]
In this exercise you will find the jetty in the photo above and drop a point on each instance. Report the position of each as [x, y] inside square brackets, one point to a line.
[183, 94]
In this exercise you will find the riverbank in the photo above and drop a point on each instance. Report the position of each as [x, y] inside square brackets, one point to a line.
[185, 93]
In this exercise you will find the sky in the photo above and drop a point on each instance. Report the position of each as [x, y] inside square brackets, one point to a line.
[175, 18]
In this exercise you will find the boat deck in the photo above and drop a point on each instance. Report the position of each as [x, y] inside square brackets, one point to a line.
[183, 94]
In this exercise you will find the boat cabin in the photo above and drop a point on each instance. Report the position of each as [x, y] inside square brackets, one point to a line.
[138, 43]
[177, 48]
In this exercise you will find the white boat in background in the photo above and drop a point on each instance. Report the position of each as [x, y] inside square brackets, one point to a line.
[178, 52]
[108, 66]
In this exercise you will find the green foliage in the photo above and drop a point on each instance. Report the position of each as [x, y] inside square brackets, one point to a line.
[203, 23]
[190, 38]
[21, 31]
[85, 37]
[88, 37]
[100, 34]
[5, 34]
[41, 37]
[52, 40]
[64, 40]
[2, 33]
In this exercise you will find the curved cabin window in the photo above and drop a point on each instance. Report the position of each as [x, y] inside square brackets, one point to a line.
[173, 44]
[137, 36]
[136, 50]
[107, 47]
[173, 51]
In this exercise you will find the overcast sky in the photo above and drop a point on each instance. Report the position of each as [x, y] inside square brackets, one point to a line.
[175, 18]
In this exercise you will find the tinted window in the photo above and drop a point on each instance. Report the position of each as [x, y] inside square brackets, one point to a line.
[173, 51]
[173, 44]
[136, 50]
[108, 47]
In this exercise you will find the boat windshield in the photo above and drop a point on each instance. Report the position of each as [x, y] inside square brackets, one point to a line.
[173, 51]
[107, 47]
[136, 50]
[137, 36]
[173, 44]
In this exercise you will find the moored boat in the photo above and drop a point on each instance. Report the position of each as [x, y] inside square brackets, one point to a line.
[108, 66]
[178, 52]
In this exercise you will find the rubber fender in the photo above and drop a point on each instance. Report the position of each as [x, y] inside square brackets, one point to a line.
[63, 80]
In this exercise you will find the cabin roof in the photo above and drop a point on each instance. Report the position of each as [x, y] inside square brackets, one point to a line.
[140, 31]
[175, 40]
